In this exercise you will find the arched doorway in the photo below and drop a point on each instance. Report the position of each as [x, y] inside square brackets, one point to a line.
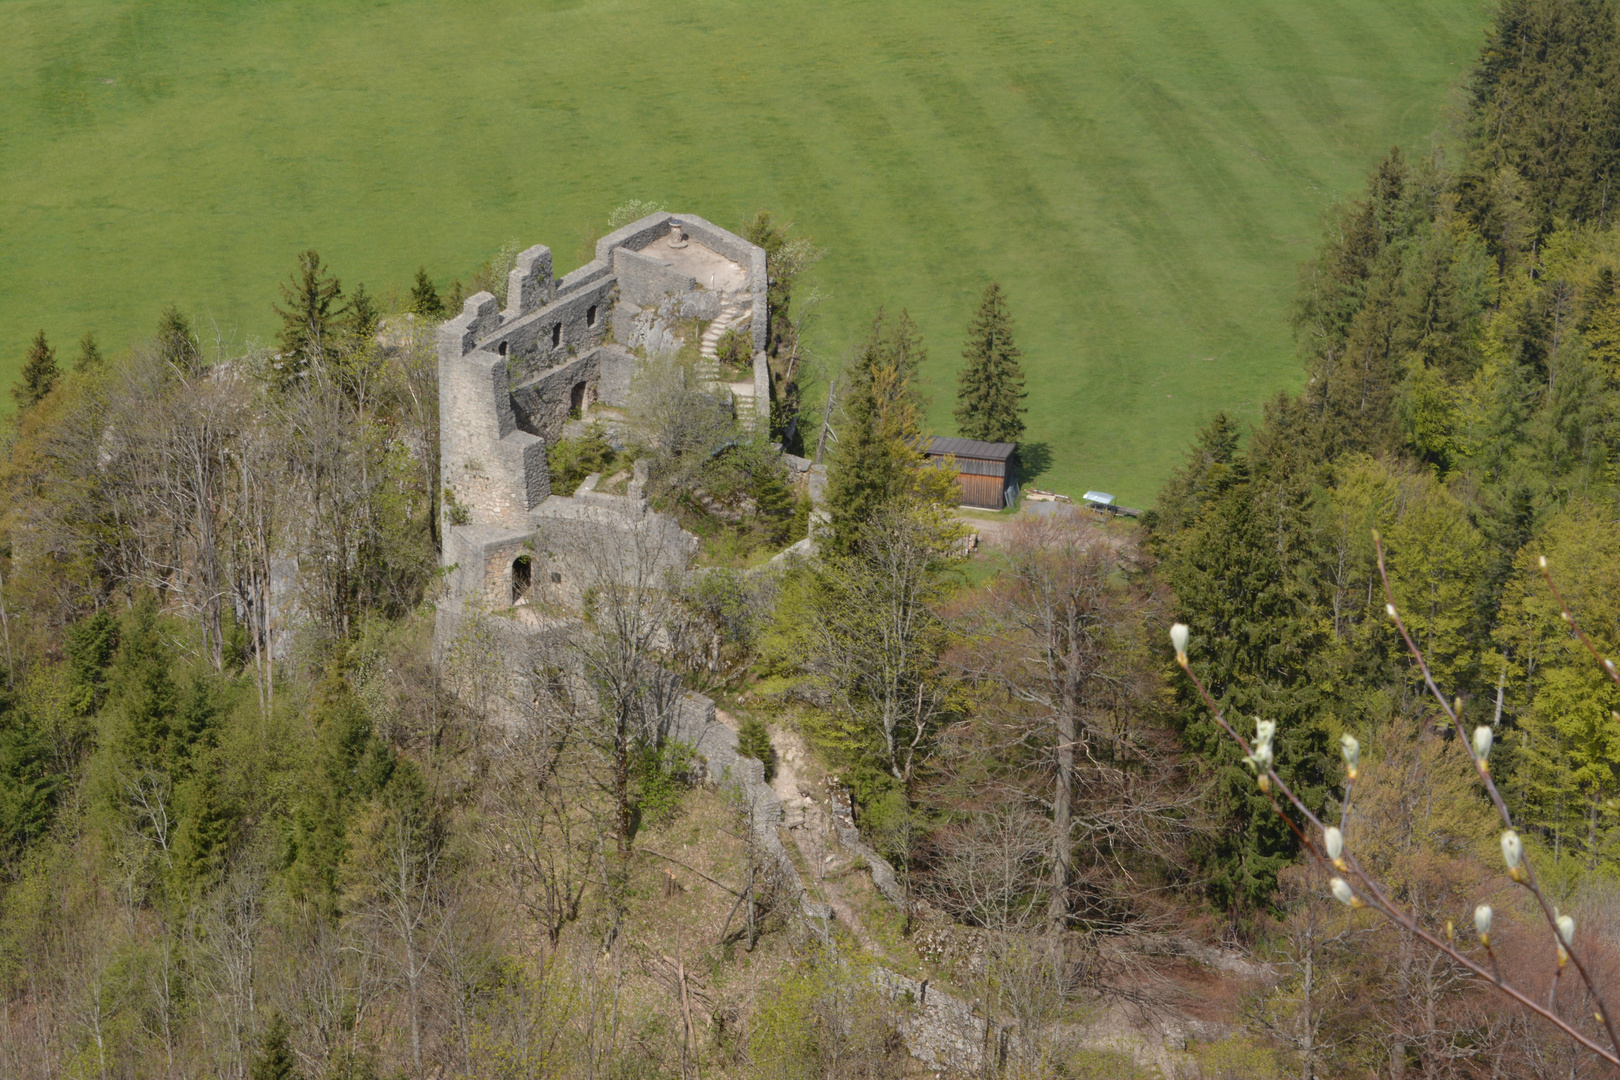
[521, 579]
[577, 401]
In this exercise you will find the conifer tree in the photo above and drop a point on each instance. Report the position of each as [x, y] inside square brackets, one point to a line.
[754, 740]
[878, 448]
[89, 357]
[1546, 104]
[363, 315]
[175, 340]
[274, 1059]
[39, 374]
[314, 315]
[990, 391]
[424, 297]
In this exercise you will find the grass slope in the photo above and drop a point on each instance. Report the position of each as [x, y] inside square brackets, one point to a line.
[1142, 176]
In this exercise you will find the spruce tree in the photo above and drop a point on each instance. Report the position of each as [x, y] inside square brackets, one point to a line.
[878, 445]
[39, 374]
[1546, 103]
[274, 1059]
[89, 357]
[314, 316]
[175, 340]
[424, 297]
[363, 315]
[754, 740]
[990, 391]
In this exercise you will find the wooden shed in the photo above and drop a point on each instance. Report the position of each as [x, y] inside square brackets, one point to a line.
[984, 470]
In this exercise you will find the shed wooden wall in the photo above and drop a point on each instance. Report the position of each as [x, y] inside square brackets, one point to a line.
[985, 491]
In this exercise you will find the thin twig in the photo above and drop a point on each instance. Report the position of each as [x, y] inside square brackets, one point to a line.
[1484, 771]
[1376, 894]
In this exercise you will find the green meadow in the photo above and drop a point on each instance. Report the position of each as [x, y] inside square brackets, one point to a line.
[1143, 176]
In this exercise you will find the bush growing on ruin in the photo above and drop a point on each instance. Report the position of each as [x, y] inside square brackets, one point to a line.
[735, 348]
[683, 423]
[754, 740]
[631, 210]
[491, 276]
[572, 460]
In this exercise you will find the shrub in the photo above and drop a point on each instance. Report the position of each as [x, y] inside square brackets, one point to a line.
[735, 348]
[572, 460]
[754, 740]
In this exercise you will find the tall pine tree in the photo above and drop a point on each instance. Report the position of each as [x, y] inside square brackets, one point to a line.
[1546, 104]
[314, 318]
[878, 444]
[990, 392]
[39, 374]
[425, 299]
[89, 358]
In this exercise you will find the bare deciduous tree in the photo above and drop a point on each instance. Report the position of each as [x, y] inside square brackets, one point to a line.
[1063, 693]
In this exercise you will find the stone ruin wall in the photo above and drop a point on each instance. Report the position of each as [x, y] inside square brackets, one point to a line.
[508, 378]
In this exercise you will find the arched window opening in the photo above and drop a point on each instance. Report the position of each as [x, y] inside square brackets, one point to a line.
[520, 579]
[576, 401]
[590, 315]
[502, 348]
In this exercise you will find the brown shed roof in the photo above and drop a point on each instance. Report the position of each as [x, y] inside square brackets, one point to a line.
[971, 448]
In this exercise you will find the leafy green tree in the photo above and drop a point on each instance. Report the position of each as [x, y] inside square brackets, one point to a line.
[349, 765]
[570, 461]
[313, 319]
[1566, 772]
[990, 390]
[274, 1059]
[39, 373]
[425, 299]
[773, 502]
[1185, 491]
[89, 358]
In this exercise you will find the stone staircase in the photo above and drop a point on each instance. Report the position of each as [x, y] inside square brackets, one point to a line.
[733, 313]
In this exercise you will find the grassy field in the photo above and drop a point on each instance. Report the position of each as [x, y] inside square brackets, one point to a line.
[1143, 176]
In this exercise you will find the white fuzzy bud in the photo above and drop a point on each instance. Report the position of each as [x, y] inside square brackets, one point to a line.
[1261, 756]
[1391, 609]
[1566, 929]
[1512, 849]
[1483, 738]
[1342, 891]
[1352, 753]
[1543, 561]
[1482, 921]
[1333, 842]
[1178, 638]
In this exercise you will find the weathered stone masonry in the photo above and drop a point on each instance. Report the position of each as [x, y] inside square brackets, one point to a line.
[510, 379]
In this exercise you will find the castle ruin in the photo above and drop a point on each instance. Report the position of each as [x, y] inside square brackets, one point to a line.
[511, 380]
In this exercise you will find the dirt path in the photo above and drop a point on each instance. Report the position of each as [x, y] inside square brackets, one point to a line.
[804, 816]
